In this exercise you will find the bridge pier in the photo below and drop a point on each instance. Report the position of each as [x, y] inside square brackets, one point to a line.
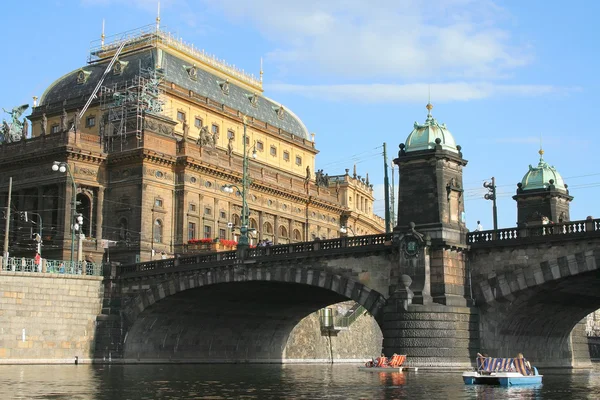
[431, 335]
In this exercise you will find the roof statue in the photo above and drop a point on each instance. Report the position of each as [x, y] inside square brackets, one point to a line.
[13, 131]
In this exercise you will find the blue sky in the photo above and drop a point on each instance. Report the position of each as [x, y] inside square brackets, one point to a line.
[501, 75]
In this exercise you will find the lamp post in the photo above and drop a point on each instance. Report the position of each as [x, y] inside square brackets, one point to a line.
[491, 195]
[344, 229]
[243, 241]
[38, 236]
[63, 167]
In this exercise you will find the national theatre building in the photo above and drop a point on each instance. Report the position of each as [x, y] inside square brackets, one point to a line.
[143, 138]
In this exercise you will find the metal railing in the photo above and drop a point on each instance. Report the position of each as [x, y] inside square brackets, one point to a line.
[22, 264]
[338, 322]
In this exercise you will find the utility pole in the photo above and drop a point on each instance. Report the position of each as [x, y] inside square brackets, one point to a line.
[491, 195]
[386, 184]
[7, 226]
[393, 198]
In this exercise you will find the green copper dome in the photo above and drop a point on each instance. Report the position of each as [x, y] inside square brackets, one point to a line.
[539, 177]
[423, 136]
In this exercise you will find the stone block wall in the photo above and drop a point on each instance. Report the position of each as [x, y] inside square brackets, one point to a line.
[432, 336]
[48, 318]
[307, 343]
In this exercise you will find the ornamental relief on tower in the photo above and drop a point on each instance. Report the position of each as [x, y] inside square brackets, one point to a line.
[157, 173]
[85, 171]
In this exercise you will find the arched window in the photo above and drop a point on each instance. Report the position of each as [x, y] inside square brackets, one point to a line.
[253, 224]
[297, 235]
[157, 233]
[84, 207]
[235, 220]
[268, 228]
[283, 231]
[123, 228]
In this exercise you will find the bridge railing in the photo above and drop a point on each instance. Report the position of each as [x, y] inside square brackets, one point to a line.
[22, 264]
[226, 257]
[566, 229]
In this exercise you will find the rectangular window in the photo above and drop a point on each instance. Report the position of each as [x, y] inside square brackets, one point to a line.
[215, 128]
[207, 232]
[273, 150]
[298, 160]
[90, 121]
[158, 202]
[192, 207]
[286, 156]
[223, 215]
[198, 123]
[230, 134]
[207, 211]
[180, 116]
[54, 129]
[260, 146]
[191, 230]
[247, 141]
[222, 234]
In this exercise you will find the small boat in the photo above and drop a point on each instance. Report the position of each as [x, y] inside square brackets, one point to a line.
[503, 372]
[382, 364]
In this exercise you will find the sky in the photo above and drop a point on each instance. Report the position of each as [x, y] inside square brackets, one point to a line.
[502, 75]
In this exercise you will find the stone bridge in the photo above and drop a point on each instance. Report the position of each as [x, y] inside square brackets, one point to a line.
[533, 286]
[525, 291]
[219, 307]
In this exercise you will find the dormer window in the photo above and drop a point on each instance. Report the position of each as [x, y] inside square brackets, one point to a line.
[192, 72]
[253, 99]
[280, 111]
[224, 85]
[119, 67]
[82, 76]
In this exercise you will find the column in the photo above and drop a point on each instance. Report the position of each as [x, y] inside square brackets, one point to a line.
[276, 229]
[99, 215]
[260, 226]
[40, 206]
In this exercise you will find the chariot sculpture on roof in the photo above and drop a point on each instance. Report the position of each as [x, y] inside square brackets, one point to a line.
[13, 131]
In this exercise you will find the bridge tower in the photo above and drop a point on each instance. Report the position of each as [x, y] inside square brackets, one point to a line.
[542, 193]
[428, 315]
[430, 194]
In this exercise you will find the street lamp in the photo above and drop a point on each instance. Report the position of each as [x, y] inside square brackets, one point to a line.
[63, 167]
[243, 241]
[344, 229]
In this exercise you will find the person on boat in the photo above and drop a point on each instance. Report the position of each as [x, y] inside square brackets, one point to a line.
[527, 363]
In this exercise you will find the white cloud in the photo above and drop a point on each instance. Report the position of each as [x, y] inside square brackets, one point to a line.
[388, 38]
[408, 93]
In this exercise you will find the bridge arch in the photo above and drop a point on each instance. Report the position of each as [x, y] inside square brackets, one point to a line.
[535, 308]
[234, 313]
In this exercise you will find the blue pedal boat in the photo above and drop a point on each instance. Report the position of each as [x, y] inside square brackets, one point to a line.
[503, 372]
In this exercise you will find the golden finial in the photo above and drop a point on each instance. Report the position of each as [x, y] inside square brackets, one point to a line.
[429, 107]
[261, 71]
[158, 17]
[541, 152]
[102, 36]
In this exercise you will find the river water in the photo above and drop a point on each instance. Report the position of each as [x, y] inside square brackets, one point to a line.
[271, 382]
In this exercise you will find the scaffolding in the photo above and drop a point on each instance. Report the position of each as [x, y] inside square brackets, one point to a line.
[124, 105]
